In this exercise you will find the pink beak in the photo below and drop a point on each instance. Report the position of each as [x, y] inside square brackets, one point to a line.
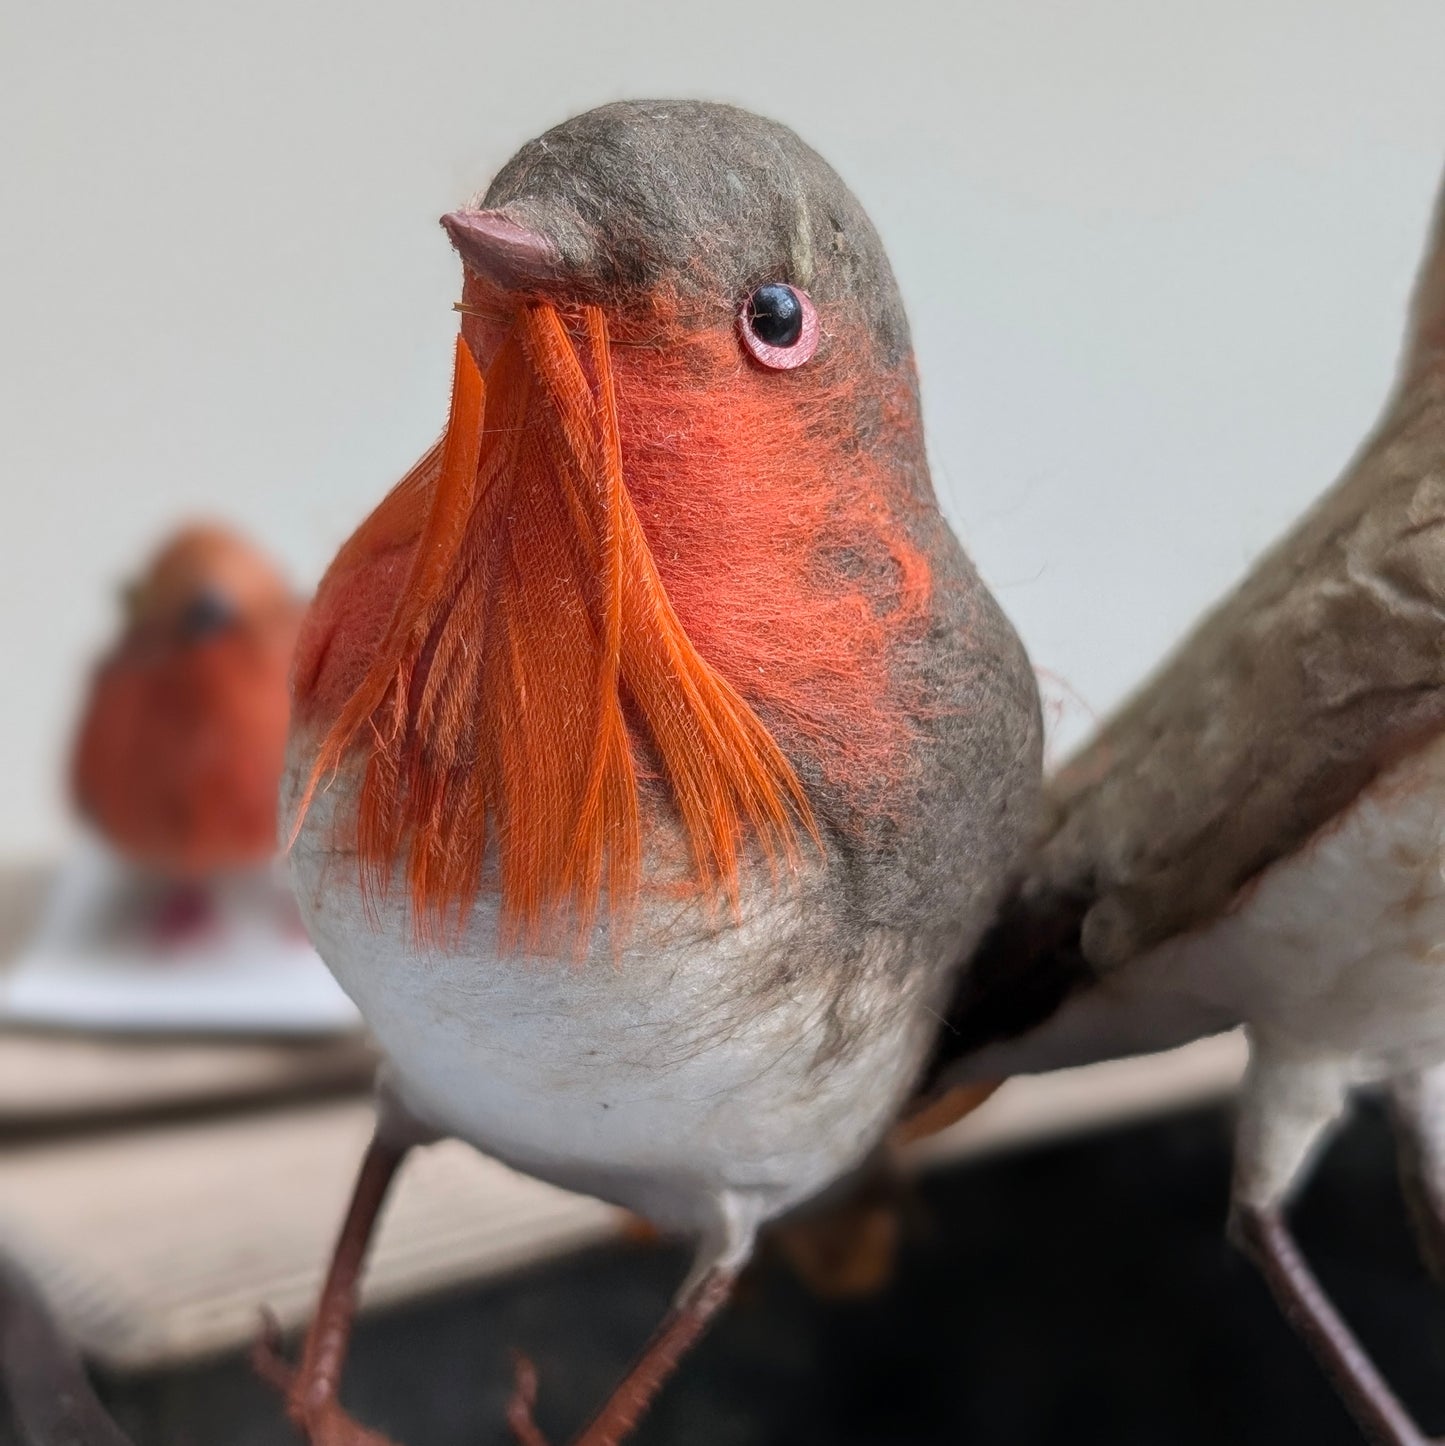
[508, 255]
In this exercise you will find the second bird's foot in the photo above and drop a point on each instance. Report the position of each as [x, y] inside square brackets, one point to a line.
[1266, 1239]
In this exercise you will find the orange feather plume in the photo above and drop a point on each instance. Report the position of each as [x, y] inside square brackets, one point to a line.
[531, 650]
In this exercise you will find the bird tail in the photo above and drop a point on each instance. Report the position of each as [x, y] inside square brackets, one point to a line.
[1030, 1002]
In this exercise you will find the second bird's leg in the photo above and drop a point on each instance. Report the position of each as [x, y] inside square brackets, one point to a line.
[1287, 1106]
[1266, 1238]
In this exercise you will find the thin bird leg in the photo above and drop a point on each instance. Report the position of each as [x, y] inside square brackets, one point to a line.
[1266, 1238]
[311, 1389]
[623, 1409]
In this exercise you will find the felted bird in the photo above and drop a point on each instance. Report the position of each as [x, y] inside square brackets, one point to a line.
[1258, 837]
[183, 735]
[658, 756]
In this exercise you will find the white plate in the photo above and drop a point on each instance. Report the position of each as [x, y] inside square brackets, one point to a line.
[99, 960]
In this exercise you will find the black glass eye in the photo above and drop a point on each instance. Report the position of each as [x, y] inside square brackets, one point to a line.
[207, 614]
[775, 313]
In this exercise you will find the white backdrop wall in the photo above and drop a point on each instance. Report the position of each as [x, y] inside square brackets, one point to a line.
[1156, 256]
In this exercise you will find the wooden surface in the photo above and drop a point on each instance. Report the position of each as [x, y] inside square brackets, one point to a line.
[162, 1245]
[159, 1239]
[53, 1081]
[1077, 1293]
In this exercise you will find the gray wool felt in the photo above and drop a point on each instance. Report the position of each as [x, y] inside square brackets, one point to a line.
[705, 197]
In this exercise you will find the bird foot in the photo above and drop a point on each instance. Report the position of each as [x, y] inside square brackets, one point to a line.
[317, 1416]
[268, 1359]
[184, 913]
[525, 1430]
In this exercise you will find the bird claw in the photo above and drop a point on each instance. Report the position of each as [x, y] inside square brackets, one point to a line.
[525, 1430]
[320, 1422]
[268, 1358]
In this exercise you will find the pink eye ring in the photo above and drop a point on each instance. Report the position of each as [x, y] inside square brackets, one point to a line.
[778, 325]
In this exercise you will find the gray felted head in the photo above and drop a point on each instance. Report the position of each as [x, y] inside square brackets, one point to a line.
[704, 200]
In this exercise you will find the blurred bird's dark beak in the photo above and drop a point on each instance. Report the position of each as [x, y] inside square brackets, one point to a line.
[502, 252]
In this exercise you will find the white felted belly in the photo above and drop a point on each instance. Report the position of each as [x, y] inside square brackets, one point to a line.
[661, 1080]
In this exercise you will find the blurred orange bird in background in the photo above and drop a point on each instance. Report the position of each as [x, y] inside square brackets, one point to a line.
[183, 734]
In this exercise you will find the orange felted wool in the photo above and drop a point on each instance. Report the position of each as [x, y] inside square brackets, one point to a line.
[622, 559]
